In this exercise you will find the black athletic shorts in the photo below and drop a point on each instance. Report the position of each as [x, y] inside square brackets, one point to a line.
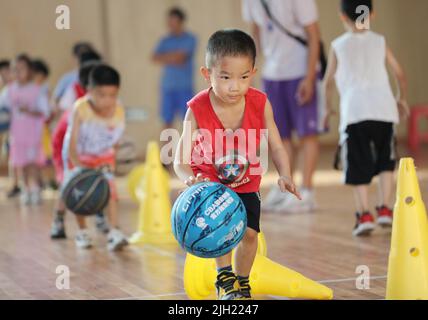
[369, 149]
[252, 206]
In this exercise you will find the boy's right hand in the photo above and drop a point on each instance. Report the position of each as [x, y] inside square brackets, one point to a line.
[326, 121]
[192, 179]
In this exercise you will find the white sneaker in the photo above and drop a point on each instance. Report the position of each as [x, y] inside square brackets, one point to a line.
[36, 197]
[274, 197]
[116, 240]
[307, 204]
[25, 198]
[83, 239]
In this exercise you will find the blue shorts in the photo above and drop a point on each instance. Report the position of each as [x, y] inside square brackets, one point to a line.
[288, 114]
[174, 102]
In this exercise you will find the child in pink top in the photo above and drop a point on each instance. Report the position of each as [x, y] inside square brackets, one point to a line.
[29, 109]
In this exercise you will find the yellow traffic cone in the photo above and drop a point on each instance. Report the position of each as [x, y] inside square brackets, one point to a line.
[408, 257]
[155, 206]
[267, 277]
[135, 178]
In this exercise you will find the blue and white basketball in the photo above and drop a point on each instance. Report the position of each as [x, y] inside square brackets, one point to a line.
[4, 119]
[208, 220]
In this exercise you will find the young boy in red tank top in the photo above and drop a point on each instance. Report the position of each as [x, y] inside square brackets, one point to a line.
[231, 120]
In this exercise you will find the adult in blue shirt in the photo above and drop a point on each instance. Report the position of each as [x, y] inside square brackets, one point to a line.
[176, 53]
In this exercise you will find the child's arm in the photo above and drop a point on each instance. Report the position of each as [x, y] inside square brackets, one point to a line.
[328, 86]
[175, 57]
[279, 154]
[184, 151]
[400, 76]
[72, 149]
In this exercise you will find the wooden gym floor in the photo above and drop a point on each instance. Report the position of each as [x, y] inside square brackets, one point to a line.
[319, 245]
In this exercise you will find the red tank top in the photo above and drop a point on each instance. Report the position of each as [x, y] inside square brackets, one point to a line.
[227, 156]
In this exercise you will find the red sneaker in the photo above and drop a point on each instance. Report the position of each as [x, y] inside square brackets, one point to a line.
[365, 224]
[384, 216]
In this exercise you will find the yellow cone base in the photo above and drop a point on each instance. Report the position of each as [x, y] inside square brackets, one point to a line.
[152, 238]
[266, 278]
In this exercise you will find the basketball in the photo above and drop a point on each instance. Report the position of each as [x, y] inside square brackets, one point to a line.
[86, 191]
[208, 220]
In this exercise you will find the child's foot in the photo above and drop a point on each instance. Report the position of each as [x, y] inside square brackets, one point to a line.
[25, 198]
[244, 288]
[227, 286]
[58, 228]
[15, 191]
[53, 185]
[83, 240]
[101, 223]
[384, 216]
[294, 205]
[116, 240]
[36, 197]
[365, 224]
[273, 198]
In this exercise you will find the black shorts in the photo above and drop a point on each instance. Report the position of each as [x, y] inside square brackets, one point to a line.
[369, 149]
[252, 206]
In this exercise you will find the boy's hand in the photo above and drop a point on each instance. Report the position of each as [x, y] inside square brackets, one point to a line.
[403, 109]
[23, 109]
[326, 122]
[287, 184]
[305, 91]
[192, 180]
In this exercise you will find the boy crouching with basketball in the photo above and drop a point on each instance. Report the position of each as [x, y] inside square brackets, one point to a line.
[96, 125]
[230, 106]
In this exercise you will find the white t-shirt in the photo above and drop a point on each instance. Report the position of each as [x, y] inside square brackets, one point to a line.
[362, 79]
[285, 58]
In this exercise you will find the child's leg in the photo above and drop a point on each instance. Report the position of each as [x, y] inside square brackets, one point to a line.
[224, 261]
[361, 198]
[112, 213]
[81, 222]
[245, 253]
[385, 188]
[310, 148]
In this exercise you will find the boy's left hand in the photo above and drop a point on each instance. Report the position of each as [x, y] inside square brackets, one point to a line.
[287, 184]
[403, 109]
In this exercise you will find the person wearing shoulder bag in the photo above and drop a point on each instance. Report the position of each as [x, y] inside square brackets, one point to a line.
[288, 36]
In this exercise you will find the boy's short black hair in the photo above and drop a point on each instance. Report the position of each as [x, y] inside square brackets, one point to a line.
[84, 72]
[39, 66]
[4, 64]
[103, 75]
[349, 7]
[23, 57]
[230, 42]
[89, 56]
[177, 12]
[81, 47]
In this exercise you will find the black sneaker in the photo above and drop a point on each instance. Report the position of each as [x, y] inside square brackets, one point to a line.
[227, 286]
[245, 289]
[53, 185]
[16, 191]
[58, 229]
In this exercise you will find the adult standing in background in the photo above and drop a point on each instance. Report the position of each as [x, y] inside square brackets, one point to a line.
[176, 53]
[290, 74]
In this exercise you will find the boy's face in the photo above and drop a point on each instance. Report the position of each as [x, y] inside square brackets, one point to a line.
[230, 78]
[5, 76]
[22, 71]
[104, 99]
[39, 78]
[175, 25]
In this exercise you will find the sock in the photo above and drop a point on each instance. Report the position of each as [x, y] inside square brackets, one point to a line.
[228, 269]
[243, 280]
[60, 214]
